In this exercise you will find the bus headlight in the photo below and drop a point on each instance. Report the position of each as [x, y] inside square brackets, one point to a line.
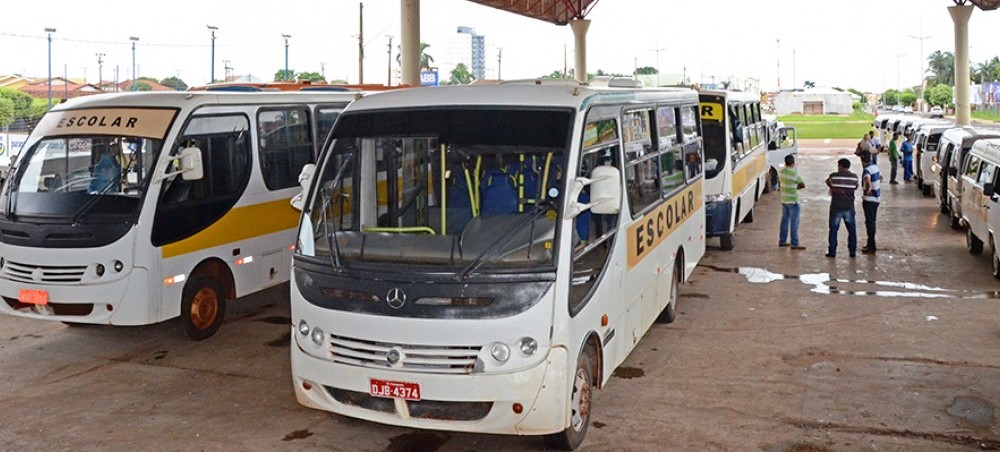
[317, 336]
[99, 270]
[500, 352]
[528, 346]
[303, 328]
[118, 266]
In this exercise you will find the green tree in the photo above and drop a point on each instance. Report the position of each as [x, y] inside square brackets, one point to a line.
[864, 99]
[940, 95]
[890, 97]
[175, 83]
[6, 112]
[461, 75]
[39, 107]
[425, 58]
[281, 76]
[646, 70]
[310, 76]
[907, 97]
[555, 74]
[809, 84]
[941, 65]
[143, 86]
[22, 101]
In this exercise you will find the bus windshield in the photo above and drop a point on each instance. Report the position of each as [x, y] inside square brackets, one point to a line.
[82, 177]
[461, 189]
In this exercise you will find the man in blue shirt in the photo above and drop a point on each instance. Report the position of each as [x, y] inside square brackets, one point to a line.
[907, 150]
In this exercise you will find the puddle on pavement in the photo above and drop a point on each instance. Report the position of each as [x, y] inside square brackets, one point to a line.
[972, 410]
[822, 284]
[282, 341]
[298, 434]
[629, 373]
[599, 424]
[423, 441]
[276, 320]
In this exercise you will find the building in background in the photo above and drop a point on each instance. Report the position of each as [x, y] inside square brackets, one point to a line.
[815, 101]
[466, 47]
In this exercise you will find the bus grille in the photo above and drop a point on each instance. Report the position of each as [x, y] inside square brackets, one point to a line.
[415, 358]
[51, 274]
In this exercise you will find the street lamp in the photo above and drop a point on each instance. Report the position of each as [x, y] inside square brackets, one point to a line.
[287, 75]
[212, 28]
[50, 31]
[135, 77]
[499, 60]
[100, 71]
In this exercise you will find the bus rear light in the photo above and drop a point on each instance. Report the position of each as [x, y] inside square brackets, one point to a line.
[244, 260]
[174, 280]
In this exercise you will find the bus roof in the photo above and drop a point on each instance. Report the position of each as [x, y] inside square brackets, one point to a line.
[179, 99]
[737, 96]
[521, 94]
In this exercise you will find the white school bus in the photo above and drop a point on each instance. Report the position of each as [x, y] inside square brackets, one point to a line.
[735, 160]
[535, 230]
[131, 209]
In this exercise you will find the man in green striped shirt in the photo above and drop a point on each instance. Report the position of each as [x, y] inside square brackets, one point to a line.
[791, 183]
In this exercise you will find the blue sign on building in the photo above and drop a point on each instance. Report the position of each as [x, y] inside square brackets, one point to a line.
[429, 77]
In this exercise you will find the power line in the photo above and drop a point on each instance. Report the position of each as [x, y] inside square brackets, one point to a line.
[145, 44]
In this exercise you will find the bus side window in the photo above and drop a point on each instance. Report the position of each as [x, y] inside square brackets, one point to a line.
[286, 145]
[595, 234]
[326, 117]
[188, 206]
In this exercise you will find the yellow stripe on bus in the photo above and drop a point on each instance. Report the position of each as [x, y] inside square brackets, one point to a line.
[241, 223]
[748, 173]
[647, 232]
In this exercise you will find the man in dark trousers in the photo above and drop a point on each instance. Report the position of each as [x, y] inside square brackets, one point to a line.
[871, 189]
[842, 185]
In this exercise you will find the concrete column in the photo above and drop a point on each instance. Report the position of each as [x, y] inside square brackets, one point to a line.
[410, 41]
[963, 110]
[580, 27]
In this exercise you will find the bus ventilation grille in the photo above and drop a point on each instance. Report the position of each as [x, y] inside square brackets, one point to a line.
[51, 274]
[412, 358]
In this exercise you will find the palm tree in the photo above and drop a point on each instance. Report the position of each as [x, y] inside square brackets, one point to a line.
[461, 75]
[425, 58]
[942, 66]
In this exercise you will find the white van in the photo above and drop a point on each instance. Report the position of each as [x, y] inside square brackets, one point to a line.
[953, 149]
[925, 141]
[781, 141]
[980, 200]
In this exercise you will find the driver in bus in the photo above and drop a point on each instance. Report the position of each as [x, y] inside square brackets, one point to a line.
[106, 174]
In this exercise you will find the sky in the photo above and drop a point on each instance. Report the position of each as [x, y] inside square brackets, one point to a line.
[869, 45]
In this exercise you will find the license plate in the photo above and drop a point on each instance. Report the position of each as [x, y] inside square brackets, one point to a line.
[31, 296]
[394, 389]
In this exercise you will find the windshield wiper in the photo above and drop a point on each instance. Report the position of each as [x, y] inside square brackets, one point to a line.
[504, 240]
[121, 179]
[327, 194]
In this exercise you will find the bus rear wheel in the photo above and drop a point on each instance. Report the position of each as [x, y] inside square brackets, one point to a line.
[727, 241]
[203, 306]
[973, 243]
[580, 405]
[669, 313]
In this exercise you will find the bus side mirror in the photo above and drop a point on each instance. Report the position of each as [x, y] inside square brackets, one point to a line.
[191, 166]
[605, 192]
[305, 179]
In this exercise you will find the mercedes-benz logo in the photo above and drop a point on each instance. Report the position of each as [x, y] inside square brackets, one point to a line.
[37, 274]
[394, 356]
[396, 298]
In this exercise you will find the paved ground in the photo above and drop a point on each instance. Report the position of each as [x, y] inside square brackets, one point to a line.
[773, 350]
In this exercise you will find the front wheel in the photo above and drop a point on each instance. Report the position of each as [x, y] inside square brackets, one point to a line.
[749, 217]
[973, 243]
[580, 405]
[928, 190]
[727, 241]
[669, 313]
[203, 306]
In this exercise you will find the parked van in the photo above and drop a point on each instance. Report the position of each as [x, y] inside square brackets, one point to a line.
[781, 141]
[925, 141]
[980, 200]
[956, 144]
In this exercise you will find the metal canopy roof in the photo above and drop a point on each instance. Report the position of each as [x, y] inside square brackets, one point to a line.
[559, 12]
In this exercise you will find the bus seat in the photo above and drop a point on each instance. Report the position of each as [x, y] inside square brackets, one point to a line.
[457, 218]
[499, 193]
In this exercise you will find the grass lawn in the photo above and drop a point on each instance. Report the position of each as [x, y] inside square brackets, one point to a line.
[987, 115]
[829, 126]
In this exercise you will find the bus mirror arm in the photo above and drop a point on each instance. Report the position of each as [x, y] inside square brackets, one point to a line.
[190, 164]
[605, 193]
[305, 179]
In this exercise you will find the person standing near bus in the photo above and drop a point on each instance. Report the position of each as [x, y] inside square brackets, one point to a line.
[842, 185]
[872, 188]
[893, 158]
[791, 183]
[907, 150]
[876, 146]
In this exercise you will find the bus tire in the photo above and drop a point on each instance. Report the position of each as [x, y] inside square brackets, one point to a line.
[973, 243]
[956, 222]
[928, 190]
[581, 396]
[944, 208]
[203, 307]
[669, 313]
[727, 242]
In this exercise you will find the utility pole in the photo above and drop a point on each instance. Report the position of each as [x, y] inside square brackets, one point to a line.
[322, 70]
[779, 65]
[499, 62]
[898, 56]
[657, 50]
[361, 43]
[564, 60]
[388, 75]
[795, 83]
[288, 76]
[50, 31]
[65, 82]
[212, 28]
[227, 69]
[135, 77]
[921, 38]
[100, 71]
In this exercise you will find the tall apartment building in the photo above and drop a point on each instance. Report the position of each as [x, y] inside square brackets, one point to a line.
[467, 47]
